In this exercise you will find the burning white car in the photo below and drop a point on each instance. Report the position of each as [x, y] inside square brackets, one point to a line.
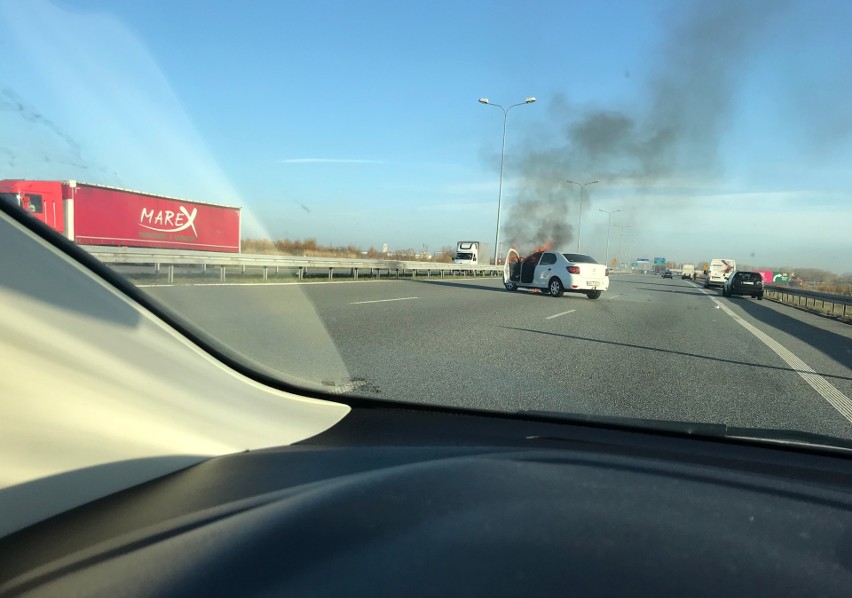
[555, 273]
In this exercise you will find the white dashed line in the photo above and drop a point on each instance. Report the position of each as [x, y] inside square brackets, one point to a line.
[383, 300]
[562, 314]
[826, 389]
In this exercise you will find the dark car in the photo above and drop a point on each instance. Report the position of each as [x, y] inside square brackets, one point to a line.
[744, 283]
[667, 274]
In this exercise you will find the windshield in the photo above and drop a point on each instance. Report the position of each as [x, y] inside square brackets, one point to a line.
[294, 179]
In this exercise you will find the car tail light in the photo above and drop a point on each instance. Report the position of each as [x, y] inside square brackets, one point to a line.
[574, 269]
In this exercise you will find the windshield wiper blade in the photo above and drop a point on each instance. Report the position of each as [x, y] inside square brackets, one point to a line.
[775, 436]
[681, 427]
[790, 437]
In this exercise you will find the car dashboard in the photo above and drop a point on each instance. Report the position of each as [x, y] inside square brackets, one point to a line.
[431, 503]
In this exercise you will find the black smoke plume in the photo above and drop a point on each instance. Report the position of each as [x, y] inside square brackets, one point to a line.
[671, 136]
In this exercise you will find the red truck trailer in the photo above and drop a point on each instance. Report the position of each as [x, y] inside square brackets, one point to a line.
[99, 215]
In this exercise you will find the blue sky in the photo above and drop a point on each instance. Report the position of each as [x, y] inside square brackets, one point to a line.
[719, 129]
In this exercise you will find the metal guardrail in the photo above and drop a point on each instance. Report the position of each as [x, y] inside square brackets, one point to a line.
[805, 298]
[160, 258]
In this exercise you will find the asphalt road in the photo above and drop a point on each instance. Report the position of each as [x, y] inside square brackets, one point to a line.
[648, 348]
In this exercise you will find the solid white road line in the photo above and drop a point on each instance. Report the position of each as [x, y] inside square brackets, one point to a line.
[562, 314]
[383, 300]
[826, 389]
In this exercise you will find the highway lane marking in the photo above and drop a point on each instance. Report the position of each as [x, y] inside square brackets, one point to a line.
[562, 314]
[383, 300]
[833, 395]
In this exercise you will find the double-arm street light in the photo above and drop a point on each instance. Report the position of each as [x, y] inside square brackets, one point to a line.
[502, 156]
[582, 186]
[627, 253]
[608, 227]
[621, 242]
[620, 254]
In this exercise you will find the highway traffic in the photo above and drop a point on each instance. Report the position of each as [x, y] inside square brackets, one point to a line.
[648, 348]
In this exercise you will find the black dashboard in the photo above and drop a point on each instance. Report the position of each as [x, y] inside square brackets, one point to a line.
[396, 501]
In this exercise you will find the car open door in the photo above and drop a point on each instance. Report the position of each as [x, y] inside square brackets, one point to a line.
[512, 270]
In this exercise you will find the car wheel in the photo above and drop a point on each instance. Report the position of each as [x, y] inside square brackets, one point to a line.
[511, 286]
[760, 296]
[555, 287]
[593, 294]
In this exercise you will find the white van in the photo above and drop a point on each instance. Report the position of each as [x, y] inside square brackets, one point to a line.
[719, 271]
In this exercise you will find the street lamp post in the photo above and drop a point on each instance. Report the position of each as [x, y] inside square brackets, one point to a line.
[621, 242]
[582, 186]
[608, 227]
[627, 253]
[502, 156]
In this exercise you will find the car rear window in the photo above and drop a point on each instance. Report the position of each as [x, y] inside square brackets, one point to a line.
[579, 258]
[752, 276]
